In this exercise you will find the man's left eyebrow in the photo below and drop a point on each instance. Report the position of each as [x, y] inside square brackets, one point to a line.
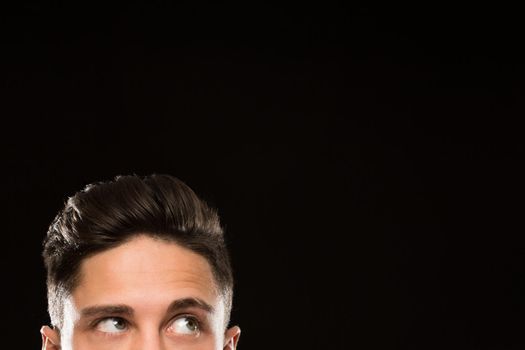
[101, 310]
[186, 303]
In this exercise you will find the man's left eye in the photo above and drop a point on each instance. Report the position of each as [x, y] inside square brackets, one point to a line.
[185, 325]
[112, 325]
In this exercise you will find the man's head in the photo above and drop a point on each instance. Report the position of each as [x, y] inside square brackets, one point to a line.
[135, 255]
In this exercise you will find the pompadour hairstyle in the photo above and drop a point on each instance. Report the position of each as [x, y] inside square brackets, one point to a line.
[105, 215]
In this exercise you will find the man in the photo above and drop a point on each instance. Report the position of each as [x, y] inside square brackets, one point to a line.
[138, 263]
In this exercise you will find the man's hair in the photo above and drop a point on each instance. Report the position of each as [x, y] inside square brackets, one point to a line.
[105, 215]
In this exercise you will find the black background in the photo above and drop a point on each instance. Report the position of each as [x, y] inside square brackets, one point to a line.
[366, 160]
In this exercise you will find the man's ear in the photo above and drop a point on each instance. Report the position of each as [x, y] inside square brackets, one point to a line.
[231, 338]
[50, 338]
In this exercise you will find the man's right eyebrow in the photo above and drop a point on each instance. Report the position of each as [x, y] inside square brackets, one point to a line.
[106, 310]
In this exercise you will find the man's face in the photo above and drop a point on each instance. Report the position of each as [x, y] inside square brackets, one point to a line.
[144, 294]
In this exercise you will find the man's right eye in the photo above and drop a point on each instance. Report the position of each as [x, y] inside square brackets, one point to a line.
[112, 325]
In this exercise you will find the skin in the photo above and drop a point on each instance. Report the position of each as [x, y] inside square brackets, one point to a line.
[140, 280]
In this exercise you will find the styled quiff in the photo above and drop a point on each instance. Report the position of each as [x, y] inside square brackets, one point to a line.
[105, 215]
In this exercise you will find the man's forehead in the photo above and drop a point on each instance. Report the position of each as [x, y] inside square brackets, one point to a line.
[144, 254]
[145, 266]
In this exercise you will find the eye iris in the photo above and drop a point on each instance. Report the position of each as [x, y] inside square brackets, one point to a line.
[119, 324]
[191, 324]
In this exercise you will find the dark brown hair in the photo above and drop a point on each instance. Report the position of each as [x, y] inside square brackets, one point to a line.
[107, 214]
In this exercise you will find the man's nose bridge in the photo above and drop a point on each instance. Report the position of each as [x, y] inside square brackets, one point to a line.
[149, 339]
